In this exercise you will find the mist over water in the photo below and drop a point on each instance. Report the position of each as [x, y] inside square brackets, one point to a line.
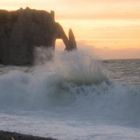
[75, 91]
[59, 76]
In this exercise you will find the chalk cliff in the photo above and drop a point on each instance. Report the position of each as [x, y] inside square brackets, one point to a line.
[22, 30]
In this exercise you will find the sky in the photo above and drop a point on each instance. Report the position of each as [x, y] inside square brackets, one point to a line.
[111, 27]
[81, 8]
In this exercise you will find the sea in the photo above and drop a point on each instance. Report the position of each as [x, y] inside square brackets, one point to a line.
[76, 96]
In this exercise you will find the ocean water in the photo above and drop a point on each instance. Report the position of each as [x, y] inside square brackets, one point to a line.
[73, 97]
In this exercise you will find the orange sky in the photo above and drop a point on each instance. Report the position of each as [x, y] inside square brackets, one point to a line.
[111, 26]
[81, 8]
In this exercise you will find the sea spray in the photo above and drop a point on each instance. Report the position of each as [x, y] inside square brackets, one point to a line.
[43, 55]
[53, 79]
[69, 97]
[79, 67]
[72, 81]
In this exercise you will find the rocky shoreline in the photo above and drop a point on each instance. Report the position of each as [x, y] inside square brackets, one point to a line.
[4, 135]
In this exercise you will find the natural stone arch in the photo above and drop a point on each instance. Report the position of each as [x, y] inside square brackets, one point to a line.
[70, 43]
[22, 30]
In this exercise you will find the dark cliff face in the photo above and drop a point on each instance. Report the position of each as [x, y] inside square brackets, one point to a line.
[22, 30]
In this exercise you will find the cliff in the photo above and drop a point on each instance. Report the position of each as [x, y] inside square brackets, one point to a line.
[22, 30]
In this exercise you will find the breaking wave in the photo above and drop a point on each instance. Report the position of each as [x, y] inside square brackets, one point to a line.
[74, 84]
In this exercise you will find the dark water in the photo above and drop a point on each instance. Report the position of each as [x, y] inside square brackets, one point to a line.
[126, 71]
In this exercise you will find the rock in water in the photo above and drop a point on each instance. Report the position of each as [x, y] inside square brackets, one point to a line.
[72, 42]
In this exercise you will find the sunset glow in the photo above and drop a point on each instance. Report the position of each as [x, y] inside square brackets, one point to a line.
[111, 27]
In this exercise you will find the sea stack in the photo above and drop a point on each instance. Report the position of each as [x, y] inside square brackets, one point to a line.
[23, 30]
[72, 42]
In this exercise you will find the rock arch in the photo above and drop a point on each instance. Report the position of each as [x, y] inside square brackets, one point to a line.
[22, 30]
[70, 43]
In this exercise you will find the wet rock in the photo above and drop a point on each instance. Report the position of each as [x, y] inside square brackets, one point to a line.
[16, 136]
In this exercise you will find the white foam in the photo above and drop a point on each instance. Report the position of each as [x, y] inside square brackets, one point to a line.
[73, 87]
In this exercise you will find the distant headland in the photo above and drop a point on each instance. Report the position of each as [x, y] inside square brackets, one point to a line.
[22, 30]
